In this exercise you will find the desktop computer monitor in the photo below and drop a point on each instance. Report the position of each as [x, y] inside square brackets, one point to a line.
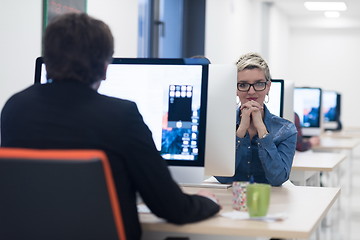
[281, 99]
[276, 97]
[308, 105]
[189, 106]
[331, 110]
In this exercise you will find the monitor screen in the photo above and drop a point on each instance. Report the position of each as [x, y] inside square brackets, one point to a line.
[172, 101]
[331, 109]
[308, 104]
[172, 96]
[276, 97]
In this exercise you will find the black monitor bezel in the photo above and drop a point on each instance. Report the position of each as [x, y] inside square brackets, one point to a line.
[281, 95]
[38, 64]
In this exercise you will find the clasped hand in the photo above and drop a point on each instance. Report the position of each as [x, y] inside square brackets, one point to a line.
[251, 118]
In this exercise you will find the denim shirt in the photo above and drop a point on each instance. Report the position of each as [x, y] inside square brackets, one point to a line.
[267, 160]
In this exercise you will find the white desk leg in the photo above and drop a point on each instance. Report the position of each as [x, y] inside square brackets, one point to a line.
[300, 177]
[316, 177]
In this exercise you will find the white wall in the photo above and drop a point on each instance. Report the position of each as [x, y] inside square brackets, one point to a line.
[328, 58]
[122, 18]
[233, 27]
[309, 53]
[20, 44]
[21, 32]
[278, 44]
[303, 52]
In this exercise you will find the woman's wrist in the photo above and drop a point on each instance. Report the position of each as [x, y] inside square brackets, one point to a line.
[264, 136]
[240, 133]
[262, 133]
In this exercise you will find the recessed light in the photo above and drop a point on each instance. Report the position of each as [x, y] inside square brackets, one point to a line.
[332, 14]
[325, 6]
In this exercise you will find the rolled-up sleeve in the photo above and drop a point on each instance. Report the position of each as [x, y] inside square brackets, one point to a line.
[276, 153]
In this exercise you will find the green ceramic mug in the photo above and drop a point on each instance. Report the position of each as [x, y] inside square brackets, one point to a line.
[258, 199]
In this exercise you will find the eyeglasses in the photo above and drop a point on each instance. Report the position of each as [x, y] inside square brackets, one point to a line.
[244, 87]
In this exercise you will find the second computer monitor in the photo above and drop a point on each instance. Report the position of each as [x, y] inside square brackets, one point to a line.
[308, 105]
[281, 99]
[276, 97]
[331, 110]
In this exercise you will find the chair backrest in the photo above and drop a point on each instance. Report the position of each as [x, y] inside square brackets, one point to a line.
[58, 194]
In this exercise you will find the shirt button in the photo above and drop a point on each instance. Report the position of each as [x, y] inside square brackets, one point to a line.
[249, 162]
[238, 141]
[249, 147]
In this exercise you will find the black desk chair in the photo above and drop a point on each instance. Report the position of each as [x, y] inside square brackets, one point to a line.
[58, 194]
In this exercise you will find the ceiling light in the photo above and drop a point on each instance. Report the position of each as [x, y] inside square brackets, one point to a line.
[325, 6]
[332, 14]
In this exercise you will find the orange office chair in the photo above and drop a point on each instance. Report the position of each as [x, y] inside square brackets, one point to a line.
[58, 194]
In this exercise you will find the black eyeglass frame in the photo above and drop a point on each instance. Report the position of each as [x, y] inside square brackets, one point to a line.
[252, 85]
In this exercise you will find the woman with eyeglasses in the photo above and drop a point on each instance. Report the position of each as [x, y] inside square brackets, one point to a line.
[265, 143]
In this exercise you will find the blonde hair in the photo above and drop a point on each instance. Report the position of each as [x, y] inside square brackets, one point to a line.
[251, 61]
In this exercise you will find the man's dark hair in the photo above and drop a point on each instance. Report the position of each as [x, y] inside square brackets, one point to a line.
[76, 48]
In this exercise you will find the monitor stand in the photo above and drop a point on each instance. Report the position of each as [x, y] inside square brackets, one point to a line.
[328, 126]
[309, 132]
[193, 176]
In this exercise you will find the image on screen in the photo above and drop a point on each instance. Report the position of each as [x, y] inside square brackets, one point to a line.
[307, 104]
[179, 134]
[169, 99]
[330, 106]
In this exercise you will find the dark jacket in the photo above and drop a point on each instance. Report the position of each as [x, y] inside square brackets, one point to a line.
[71, 115]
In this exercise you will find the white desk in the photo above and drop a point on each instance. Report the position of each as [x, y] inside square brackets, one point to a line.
[345, 145]
[345, 133]
[305, 207]
[336, 144]
[310, 164]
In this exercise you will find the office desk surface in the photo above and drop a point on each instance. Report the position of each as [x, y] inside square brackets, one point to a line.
[345, 133]
[330, 143]
[317, 161]
[305, 208]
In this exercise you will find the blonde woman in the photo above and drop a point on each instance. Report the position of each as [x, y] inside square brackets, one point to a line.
[265, 143]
